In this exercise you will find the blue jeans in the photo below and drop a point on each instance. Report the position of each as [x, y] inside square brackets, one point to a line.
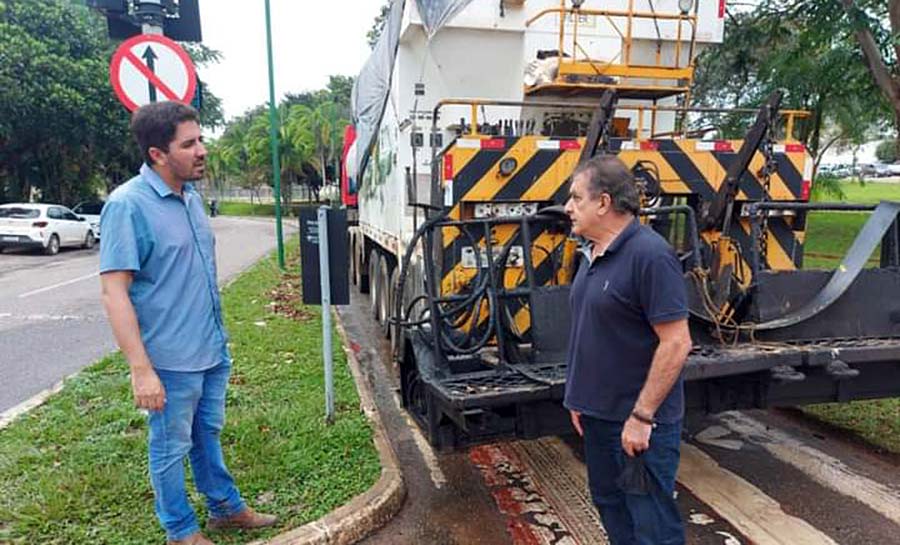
[189, 425]
[632, 518]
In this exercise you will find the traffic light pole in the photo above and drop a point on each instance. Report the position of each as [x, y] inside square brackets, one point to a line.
[273, 138]
[152, 16]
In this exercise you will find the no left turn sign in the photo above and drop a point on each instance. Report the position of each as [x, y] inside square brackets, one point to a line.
[151, 68]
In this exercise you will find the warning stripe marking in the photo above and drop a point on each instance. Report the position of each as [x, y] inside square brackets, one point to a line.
[154, 79]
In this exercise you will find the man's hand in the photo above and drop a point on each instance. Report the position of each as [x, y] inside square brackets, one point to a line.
[149, 392]
[635, 437]
[576, 422]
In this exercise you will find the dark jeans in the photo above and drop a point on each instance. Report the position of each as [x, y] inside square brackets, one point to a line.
[631, 518]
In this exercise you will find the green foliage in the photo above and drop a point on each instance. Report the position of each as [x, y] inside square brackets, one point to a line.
[63, 134]
[806, 49]
[74, 471]
[310, 133]
[234, 208]
[886, 152]
[378, 24]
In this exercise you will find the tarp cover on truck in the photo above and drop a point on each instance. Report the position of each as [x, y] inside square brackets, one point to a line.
[373, 85]
[437, 13]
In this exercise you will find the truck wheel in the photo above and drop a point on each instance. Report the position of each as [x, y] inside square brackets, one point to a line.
[353, 260]
[362, 279]
[374, 284]
[386, 290]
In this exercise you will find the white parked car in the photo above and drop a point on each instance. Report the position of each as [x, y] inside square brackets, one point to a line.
[45, 226]
[90, 211]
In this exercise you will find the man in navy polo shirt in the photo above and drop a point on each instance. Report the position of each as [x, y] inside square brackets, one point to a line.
[158, 275]
[627, 347]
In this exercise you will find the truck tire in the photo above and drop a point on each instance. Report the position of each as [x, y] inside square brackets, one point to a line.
[353, 260]
[361, 276]
[395, 294]
[386, 290]
[374, 284]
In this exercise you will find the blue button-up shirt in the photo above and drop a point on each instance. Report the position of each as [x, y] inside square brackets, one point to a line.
[166, 241]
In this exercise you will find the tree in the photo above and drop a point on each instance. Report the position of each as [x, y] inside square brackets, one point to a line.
[886, 152]
[311, 125]
[378, 25]
[63, 134]
[809, 52]
[881, 49]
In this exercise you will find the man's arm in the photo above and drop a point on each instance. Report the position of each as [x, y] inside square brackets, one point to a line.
[146, 386]
[668, 360]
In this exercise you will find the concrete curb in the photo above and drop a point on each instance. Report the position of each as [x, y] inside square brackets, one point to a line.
[373, 508]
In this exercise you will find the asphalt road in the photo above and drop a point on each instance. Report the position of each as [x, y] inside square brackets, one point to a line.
[758, 477]
[52, 323]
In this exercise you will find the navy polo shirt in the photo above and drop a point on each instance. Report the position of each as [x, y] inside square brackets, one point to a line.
[615, 301]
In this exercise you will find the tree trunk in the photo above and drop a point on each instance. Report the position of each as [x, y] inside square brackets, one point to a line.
[875, 62]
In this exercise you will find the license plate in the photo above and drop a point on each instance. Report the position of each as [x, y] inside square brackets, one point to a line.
[10, 239]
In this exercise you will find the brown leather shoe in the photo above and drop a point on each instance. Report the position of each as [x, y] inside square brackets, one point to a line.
[193, 539]
[247, 519]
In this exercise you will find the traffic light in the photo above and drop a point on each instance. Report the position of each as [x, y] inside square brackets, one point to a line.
[180, 19]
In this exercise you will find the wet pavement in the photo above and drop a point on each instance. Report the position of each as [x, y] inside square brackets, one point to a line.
[760, 477]
[516, 492]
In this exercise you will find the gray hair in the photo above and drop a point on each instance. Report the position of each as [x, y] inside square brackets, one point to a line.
[608, 174]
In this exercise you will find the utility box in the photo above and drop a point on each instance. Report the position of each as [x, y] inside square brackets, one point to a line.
[338, 257]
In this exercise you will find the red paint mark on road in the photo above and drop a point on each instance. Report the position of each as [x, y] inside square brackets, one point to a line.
[355, 347]
[521, 533]
[530, 520]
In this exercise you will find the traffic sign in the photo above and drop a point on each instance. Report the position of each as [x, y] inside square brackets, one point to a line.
[151, 68]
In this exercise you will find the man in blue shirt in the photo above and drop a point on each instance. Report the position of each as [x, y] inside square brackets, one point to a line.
[158, 275]
[627, 347]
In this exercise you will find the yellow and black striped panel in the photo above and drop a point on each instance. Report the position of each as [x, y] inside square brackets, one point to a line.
[693, 167]
[472, 174]
[542, 169]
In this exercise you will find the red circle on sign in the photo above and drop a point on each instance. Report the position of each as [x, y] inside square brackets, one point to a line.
[122, 51]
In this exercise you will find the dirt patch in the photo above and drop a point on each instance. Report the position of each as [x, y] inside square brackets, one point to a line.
[286, 299]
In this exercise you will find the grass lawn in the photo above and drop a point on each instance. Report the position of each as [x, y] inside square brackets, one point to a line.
[237, 208]
[828, 236]
[878, 421]
[74, 471]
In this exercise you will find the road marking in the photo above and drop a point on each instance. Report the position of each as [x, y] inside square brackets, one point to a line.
[822, 468]
[745, 506]
[60, 285]
[43, 317]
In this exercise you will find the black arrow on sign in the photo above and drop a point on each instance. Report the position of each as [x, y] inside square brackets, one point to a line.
[150, 57]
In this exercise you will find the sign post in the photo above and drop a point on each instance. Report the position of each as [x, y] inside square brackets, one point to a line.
[273, 139]
[326, 313]
[151, 67]
[324, 262]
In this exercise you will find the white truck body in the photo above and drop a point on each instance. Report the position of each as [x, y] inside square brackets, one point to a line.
[481, 53]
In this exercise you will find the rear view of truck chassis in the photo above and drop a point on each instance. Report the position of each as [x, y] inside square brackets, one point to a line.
[476, 302]
[787, 337]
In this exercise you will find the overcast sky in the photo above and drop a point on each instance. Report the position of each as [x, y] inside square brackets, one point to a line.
[312, 39]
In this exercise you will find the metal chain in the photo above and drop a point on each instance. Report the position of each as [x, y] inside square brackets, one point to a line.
[770, 166]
